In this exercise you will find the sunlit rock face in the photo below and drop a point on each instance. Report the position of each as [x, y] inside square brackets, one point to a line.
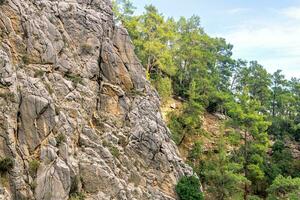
[77, 114]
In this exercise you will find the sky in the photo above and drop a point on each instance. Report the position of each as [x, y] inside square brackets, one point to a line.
[264, 30]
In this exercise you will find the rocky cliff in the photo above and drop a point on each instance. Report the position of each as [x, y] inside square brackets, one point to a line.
[77, 114]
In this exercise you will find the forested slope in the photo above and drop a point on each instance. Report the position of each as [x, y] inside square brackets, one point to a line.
[256, 154]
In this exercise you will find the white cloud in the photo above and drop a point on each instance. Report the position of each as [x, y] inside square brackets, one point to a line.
[275, 43]
[292, 12]
[235, 11]
[285, 64]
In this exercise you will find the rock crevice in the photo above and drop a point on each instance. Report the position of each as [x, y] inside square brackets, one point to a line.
[76, 108]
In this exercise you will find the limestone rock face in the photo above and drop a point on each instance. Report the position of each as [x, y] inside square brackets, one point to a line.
[77, 114]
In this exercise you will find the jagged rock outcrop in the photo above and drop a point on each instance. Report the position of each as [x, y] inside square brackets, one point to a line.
[77, 114]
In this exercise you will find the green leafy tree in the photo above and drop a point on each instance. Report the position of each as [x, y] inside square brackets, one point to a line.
[223, 178]
[278, 86]
[258, 81]
[123, 10]
[284, 188]
[182, 60]
[188, 188]
[245, 115]
[154, 43]
[164, 88]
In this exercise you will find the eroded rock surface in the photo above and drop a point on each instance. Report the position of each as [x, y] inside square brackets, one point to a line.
[77, 114]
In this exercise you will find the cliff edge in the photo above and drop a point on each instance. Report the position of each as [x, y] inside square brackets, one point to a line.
[77, 113]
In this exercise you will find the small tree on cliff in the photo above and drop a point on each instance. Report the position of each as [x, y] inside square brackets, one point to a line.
[188, 188]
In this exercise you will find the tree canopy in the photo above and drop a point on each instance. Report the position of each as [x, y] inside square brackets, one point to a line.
[181, 60]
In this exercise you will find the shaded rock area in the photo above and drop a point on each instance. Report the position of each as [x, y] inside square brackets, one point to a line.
[77, 114]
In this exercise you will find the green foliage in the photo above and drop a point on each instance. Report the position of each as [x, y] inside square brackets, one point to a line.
[217, 102]
[196, 151]
[2, 2]
[75, 193]
[76, 79]
[6, 164]
[176, 125]
[280, 127]
[282, 157]
[113, 150]
[223, 177]
[33, 185]
[186, 122]
[258, 81]
[180, 59]
[74, 186]
[188, 188]
[39, 73]
[245, 115]
[33, 167]
[25, 59]
[60, 138]
[164, 88]
[123, 10]
[254, 197]
[77, 196]
[284, 188]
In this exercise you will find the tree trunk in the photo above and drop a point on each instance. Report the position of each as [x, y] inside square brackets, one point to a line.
[273, 104]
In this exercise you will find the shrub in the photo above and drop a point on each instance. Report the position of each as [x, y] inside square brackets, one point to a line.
[25, 58]
[164, 88]
[76, 79]
[33, 167]
[6, 164]
[253, 197]
[74, 185]
[284, 188]
[60, 139]
[196, 151]
[33, 185]
[2, 2]
[114, 151]
[77, 196]
[176, 125]
[38, 73]
[75, 193]
[217, 101]
[188, 188]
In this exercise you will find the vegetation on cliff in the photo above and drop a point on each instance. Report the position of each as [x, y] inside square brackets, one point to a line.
[252, 160]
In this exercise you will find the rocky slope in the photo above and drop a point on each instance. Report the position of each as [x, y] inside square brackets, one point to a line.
[77, 114]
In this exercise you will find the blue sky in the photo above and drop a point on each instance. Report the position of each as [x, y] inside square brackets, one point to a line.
[264, 30]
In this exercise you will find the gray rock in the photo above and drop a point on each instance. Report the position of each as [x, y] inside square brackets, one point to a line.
[53, 181]
[75, 98]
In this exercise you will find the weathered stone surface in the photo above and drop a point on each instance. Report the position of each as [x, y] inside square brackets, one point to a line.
[74, 97]
[6, 70]
[53, 180]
